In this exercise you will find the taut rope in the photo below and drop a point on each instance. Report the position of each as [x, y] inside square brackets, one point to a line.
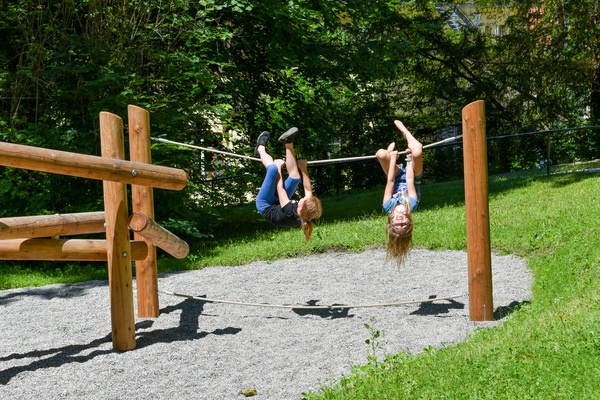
[314, 162]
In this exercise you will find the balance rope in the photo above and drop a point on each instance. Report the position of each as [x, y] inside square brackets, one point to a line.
[313, 162]
[300, 307]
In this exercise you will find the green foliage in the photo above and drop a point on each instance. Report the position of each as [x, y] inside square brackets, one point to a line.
[217, 73]
[375, 342]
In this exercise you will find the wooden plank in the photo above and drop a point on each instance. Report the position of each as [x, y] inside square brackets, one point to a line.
[40, 226]
[63, 249]
[92, 167]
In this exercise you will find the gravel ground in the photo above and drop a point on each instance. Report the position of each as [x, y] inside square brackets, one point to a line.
[56, 341]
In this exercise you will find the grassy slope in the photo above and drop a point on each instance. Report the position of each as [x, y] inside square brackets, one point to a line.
[548, 348]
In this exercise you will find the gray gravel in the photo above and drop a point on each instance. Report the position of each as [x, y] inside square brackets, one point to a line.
[56, 340]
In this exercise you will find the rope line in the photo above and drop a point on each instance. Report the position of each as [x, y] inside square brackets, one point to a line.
[205, 148]
[313, 162]
[333, 160]
[546, 131]
[300, 307]
[360, 158]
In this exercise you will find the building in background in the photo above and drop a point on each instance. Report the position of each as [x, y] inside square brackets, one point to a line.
[491, 20]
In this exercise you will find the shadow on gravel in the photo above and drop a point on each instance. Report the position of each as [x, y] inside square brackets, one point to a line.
[54, 358]
[188, 326]
[51, 292]
[431, 308]
[331, 313]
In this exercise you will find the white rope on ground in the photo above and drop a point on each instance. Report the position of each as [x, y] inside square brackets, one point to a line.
[313, 162]
[299, 307]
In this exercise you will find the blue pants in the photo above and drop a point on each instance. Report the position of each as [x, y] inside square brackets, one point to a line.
[400, 180]
[267, 195]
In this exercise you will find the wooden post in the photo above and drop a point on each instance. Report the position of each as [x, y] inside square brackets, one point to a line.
[63, 249]
[52, 225]
[92, 167]
[153, 232]
[117, 239]
[477, 209]
[548, 140]
[146, 271]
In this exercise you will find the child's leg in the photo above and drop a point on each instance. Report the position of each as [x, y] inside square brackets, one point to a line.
[261, 149]
[267, 195]
[293, 179]
[290, 161]
[416, 148]
[383, 156]
[265, 157]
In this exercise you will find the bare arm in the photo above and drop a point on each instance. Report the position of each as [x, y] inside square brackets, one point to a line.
[391, 177]
[281, 193]
[410, 175]
[302, 166]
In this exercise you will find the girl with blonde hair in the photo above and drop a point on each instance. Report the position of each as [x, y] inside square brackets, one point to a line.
[402, 194]
[273, 201]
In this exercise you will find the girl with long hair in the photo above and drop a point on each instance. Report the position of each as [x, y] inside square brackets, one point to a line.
[402, 194]
[273, 201]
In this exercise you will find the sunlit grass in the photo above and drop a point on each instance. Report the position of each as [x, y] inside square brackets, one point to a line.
[548, 348]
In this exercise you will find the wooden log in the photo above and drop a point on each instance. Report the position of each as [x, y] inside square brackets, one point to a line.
[158, 235]
[63, 249]
[142, 197]
[481, 305]
[118, 247]
[92, 167]
[52, 225]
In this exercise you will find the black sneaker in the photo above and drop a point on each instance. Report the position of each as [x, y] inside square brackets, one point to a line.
[262, 140]
[288, 136]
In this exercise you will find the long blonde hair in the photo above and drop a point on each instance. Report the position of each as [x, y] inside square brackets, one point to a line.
[311, 210]
[399, 246]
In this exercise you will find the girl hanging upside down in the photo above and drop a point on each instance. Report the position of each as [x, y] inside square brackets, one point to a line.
[402, 194]
[273, 201]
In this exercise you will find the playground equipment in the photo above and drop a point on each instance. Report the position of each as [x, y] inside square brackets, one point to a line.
[481, 307]
[35, 237]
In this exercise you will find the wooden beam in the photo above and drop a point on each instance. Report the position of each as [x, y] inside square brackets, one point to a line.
[63, 249]
[40, 226]
[142, 197]
[158, 235]
[118, 248]
[479, 256]
[92, 167]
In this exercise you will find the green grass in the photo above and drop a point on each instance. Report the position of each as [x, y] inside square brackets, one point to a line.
[547, 349]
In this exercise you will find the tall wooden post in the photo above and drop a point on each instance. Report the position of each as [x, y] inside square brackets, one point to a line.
[118, 246]
[481, 306]
[146, 271]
